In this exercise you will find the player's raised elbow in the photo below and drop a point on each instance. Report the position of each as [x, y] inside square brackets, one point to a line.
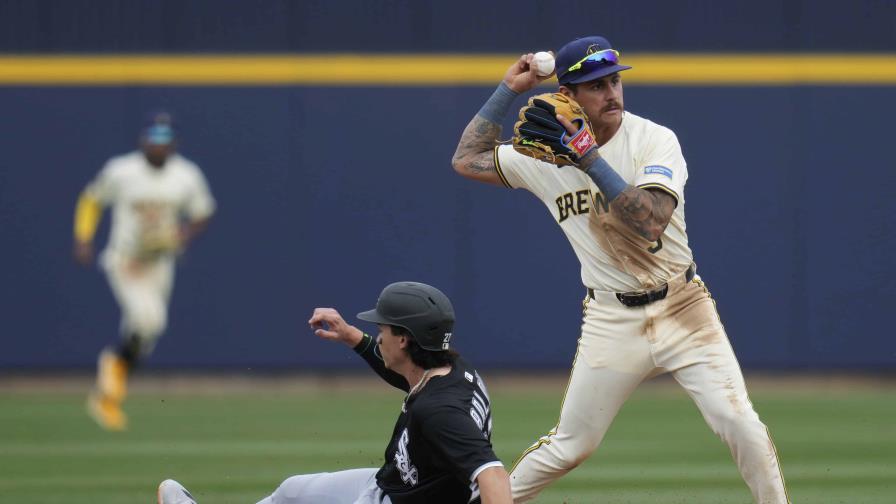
[460, 167]
[465, 166]
[478, 166]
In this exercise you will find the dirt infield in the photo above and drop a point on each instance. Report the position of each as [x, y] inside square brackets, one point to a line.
[228, 383]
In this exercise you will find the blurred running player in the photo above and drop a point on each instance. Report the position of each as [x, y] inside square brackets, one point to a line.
[160, 201]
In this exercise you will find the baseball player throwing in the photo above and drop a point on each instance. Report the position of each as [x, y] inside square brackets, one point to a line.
[621, 205]
[150, 191]
[440, 451]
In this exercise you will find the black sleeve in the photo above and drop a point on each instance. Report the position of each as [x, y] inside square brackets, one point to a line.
[368, 349]
[453, 433]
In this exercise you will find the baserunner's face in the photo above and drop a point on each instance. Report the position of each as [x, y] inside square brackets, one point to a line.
[391, 346]
[601, 99]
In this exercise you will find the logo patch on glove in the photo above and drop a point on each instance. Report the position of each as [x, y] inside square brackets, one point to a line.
[582, 142]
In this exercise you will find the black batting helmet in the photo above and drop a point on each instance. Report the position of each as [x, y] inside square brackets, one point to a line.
[421, 309]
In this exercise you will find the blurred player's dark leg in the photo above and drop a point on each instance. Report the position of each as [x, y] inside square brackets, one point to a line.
[130, 350]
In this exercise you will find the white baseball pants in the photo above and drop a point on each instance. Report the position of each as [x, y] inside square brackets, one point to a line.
[142, 290]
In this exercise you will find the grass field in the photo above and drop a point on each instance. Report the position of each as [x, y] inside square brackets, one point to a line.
[235, 444]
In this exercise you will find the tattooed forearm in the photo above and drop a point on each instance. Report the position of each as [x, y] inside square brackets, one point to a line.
[646, 211]
[473, 156]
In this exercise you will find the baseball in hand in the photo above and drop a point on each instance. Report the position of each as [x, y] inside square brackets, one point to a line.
[543, 63]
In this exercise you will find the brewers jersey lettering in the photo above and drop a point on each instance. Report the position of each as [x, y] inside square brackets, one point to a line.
[147, 202]
[613, 257]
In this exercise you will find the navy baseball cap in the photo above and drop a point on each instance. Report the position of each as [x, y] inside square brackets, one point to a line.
[589, 58]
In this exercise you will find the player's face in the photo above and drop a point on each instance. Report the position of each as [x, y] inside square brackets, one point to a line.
[391, 346]
[157, 154]
[601, 99]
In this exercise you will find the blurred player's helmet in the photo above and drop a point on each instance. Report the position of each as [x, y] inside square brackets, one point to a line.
[421, 309]
[159, 129]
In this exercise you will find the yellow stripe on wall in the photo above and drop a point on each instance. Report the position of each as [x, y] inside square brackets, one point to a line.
[437, 69]
[768, 70]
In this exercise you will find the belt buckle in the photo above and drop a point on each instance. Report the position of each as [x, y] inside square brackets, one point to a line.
[633, 300]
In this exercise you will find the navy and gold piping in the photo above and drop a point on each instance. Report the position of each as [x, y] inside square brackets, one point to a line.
[546, 439]
[655, 185]
[498, 168]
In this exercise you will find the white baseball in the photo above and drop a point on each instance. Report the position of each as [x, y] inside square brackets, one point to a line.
[543, 63]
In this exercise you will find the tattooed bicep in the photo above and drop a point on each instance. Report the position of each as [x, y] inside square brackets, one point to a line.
[481, 167]
[474, 157]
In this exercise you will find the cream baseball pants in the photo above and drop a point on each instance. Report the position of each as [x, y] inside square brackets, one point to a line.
[620, 347]
[142, 289]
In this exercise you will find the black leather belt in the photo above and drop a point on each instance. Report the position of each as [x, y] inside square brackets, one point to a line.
[634, 299]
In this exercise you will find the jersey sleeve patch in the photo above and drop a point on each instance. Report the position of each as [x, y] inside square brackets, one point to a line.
[658, 170]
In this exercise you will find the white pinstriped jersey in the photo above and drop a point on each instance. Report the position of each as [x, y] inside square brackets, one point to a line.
[147, 201]
[613, 257]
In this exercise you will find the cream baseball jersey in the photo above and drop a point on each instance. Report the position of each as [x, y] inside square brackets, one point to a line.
[613, 257]
[147, 201]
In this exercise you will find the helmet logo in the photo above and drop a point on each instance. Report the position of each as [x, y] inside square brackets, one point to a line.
[445, 341]
[593, 48]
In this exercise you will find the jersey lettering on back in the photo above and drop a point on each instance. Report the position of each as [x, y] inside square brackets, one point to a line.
[440, 440]
[481, 408]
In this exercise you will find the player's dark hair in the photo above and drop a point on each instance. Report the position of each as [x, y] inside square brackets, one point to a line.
[427, 359]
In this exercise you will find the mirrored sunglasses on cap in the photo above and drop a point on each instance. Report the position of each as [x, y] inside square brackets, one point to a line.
[596, 60]
[159, 134]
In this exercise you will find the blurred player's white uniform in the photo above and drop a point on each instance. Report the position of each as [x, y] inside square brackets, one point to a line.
[159, 201]
[147, 204]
